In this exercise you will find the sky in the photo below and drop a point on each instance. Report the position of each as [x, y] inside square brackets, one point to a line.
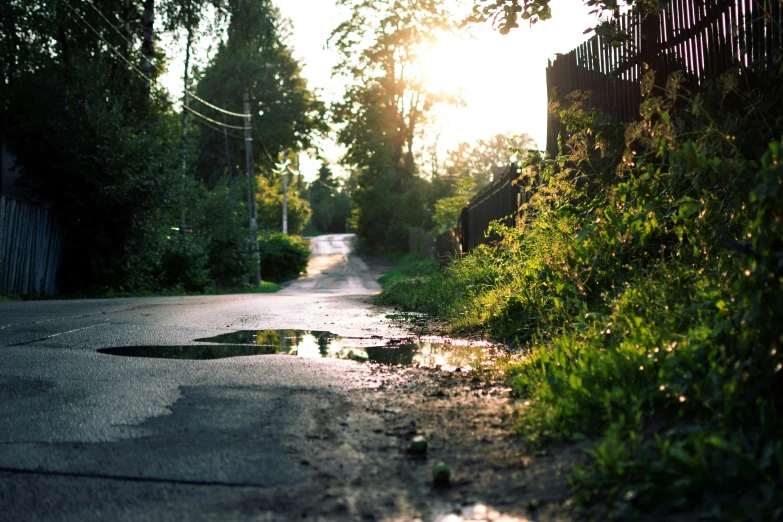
[501, 77]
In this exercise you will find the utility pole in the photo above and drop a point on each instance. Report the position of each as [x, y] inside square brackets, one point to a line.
[309, 204]
[251, 192]
[184, 133]
[285, 195]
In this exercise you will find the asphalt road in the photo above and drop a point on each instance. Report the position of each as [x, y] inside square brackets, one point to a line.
[89, 436]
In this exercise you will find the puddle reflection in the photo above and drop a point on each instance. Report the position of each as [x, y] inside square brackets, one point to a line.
[448, 354]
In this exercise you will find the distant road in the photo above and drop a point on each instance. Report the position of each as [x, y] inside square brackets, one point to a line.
[336, 268]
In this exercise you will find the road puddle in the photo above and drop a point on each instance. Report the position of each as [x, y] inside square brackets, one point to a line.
[194, 352]
[434, 352]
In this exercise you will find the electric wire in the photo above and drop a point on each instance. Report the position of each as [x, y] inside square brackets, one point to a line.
[135, 69]
[188, 92]
[211, 120]
[111, 47]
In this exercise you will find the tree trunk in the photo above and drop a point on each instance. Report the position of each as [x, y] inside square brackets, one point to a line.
[147, 47]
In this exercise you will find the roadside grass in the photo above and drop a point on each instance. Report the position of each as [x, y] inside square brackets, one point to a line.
[8, 298]
[648, 301]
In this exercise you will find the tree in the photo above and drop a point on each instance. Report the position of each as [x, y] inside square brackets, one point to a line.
[104, 147]
[505, 14]
[467, 169]
[89, 141]
[447, 210]
[384, 106]
[286, 115]
[330, 205]
[269, 200]
[485, 158]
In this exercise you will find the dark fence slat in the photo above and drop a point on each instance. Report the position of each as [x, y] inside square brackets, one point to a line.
[30, 248]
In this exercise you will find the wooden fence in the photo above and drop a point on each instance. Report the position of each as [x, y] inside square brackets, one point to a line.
[30, 246]
[702, 38]
[499, 200]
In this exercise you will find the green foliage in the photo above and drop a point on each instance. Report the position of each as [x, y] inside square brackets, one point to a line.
[645, 279]
[225, 222]
[269, 200]
[106, 173]
[286, 114]
[447, 210]
[382, 110]
[329, 202]
[283, 257]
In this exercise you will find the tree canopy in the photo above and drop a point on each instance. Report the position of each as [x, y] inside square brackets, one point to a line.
[384, 106]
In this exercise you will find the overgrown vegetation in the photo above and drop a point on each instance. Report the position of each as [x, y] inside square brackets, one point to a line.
[644, 280]
[152, 199]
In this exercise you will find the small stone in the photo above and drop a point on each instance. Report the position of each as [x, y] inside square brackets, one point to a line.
[441, 474]
[418, 445]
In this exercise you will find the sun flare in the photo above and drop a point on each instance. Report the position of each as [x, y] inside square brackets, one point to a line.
[446, 65]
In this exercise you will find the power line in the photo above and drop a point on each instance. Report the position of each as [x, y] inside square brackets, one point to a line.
[111, 47]
[139, 72]
[213, 121]
[196, 97]
[145, 77]
[224, 111]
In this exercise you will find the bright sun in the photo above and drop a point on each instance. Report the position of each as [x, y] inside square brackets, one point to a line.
[446, 65]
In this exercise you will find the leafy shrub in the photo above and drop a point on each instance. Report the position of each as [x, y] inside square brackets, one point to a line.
[185, 262]
[283, 257]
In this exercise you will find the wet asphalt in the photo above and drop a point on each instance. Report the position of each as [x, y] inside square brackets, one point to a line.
[90, 436]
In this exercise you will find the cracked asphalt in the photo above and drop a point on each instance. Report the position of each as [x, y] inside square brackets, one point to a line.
[87, 436]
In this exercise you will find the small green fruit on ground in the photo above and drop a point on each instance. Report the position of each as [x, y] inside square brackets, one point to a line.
[418, 445]
[441, 474]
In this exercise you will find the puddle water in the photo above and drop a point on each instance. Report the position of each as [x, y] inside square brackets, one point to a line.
[207, 351]
[448, 354]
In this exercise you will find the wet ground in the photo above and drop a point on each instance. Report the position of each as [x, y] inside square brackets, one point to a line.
[293, 406]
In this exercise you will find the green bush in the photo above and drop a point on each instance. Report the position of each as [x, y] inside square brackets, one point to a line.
[283, 257]
[185, 262]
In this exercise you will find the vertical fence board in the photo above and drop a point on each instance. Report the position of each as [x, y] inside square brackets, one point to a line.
[30, 248]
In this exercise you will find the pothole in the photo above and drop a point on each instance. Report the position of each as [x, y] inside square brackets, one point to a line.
[446, 353]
